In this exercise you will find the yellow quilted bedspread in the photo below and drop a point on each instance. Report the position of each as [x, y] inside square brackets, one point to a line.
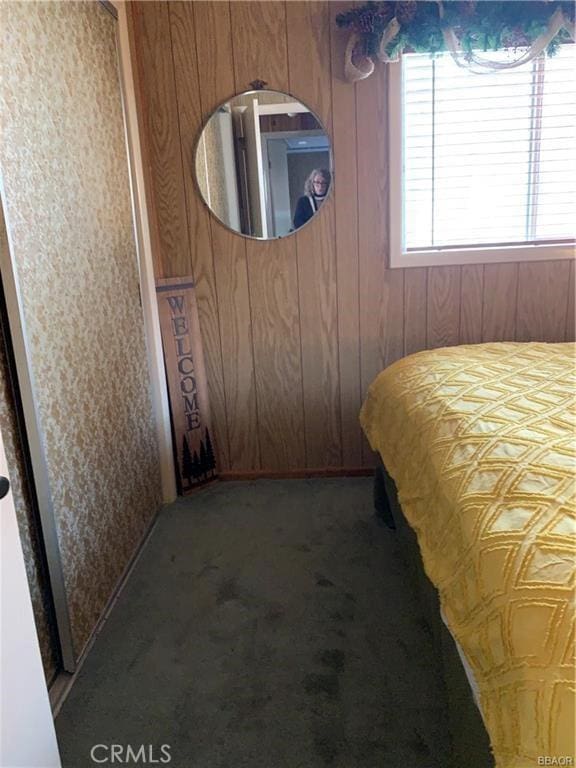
[480, 441]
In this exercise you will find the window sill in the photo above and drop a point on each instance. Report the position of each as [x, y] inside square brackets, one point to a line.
[496, 254]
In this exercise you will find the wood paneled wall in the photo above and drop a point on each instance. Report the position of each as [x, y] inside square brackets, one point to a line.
[295, 330]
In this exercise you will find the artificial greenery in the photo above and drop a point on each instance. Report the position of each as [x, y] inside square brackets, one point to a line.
[479, 25]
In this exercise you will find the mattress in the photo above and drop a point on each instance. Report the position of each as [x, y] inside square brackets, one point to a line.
[480, 441]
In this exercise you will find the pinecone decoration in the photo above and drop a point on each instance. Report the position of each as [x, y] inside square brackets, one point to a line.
[370, 18]
[406, 11]
[385, 14]
[367, 21]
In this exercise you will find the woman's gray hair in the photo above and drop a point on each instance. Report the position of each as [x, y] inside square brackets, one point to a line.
[309, 187]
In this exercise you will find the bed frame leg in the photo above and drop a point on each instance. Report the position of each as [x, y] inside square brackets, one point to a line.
[381, 503]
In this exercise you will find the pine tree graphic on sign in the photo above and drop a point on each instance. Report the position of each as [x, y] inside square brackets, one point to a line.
[187, 463]
[203, 459]
[211, 460]
[196, 468]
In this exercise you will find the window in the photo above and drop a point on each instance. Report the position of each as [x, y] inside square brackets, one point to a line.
[483, 166]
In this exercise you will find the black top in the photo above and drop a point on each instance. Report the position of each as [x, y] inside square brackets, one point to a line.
[306, 207]
[303, 212]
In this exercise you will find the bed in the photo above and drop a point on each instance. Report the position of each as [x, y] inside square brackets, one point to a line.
[479, 444]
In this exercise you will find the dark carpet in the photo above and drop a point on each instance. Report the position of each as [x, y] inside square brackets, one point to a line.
[267, 624]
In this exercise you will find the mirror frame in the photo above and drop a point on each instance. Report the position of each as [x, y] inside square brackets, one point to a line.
[197, 147]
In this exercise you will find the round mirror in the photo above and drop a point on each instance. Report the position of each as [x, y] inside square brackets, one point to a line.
[264, 164]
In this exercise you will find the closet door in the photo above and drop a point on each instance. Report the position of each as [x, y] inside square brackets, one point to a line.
[75, 312]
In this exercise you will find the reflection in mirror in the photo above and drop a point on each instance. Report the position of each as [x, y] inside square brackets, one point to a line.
[263, 164]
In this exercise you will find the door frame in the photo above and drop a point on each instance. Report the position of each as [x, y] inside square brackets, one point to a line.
[144, 250]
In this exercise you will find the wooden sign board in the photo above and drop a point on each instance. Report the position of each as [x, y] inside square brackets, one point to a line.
[187, 385]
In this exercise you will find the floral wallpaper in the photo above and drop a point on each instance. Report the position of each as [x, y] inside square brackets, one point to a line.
[66, 184]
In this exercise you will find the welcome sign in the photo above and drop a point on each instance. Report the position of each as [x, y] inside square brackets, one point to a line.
[187, 386]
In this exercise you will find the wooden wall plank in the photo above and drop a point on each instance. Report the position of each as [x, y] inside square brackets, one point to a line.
[319, 339]
[276, 333]
[542, 300]
[160, 118]
[308, 44]
[260, 52]
[259, 43]
[415, 309]
[571, 312]
[237, 347]
[471, 304]
[371, 226]
[346, 242]
[308, 38]
[214, 48]
[214, 52]
[381, 289]
[182, 26]
[499, 302]
[443, 306]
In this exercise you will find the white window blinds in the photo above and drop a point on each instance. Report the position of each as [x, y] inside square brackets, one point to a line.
[488, 159]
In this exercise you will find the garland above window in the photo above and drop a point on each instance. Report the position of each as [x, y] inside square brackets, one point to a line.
[383, 30]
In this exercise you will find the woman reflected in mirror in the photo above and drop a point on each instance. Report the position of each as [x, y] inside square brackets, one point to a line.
[316, 188]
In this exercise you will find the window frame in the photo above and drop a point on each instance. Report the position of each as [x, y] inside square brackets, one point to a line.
[447, 256]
